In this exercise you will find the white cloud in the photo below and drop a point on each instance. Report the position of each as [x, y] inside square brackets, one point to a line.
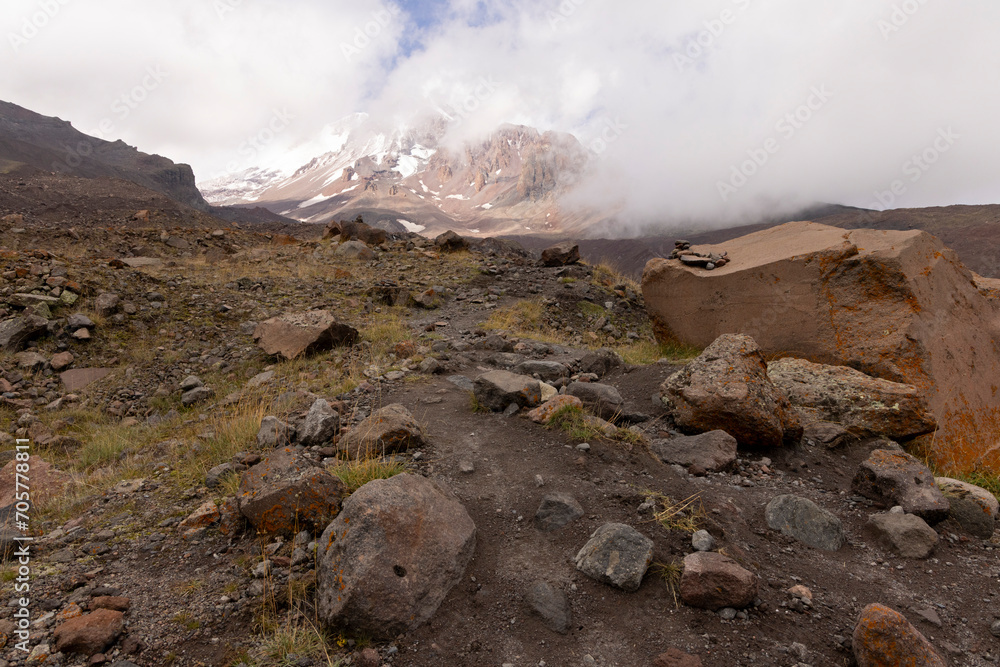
[668, 130]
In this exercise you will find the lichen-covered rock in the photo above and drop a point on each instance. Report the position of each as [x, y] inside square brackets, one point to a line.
[863, 404]
[727, 388]
[884, 637]
[287, 493]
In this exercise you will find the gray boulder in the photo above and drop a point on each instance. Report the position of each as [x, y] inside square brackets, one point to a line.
[891, 478]
[602, 399]
[971, 516]
[552, 605]
[274, 433]
[17, 331]
[617, 555]
[905, 535]
[547, 371]
[557, 510]
[498, 389]
[805, 521]
[320, 424]
[390, 558]
[600, 362]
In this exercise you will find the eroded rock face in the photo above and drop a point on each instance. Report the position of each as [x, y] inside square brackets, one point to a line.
[863, 404]
[286, 493]
[893, 478]
[895, 305]
[392, 555]
[295, 334]
[727, 388]
[884, 637]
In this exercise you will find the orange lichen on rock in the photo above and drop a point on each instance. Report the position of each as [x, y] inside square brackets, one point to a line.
[884, 637]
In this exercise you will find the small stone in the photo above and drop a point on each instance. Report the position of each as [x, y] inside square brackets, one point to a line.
[702, 540]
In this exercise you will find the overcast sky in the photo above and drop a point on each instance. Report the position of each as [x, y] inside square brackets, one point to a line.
[717, 110]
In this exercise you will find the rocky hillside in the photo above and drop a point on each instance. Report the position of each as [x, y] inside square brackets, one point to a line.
[510, 182]
[249, 449]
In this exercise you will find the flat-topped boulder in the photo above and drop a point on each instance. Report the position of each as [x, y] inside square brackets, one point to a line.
[295, 334]
[896, 305]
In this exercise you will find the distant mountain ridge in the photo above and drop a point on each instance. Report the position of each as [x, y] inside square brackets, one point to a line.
[510, 182]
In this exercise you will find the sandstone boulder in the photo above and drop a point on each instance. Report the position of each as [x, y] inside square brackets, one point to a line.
[561, 254]
[700, 454]
[387, 431]
[286, 493]
[392, 555]
[295, 334]
[895, 305]
[713, 581]
[727, 388]
[884, 637]
[893, 478]
[865, 405]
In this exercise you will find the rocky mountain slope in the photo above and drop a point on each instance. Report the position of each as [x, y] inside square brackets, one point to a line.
[508, 183]
[139, 362]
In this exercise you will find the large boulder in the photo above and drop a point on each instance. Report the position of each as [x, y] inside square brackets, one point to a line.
[863, 404]
[713, 581]
[17, 331]
[449, 241]
[896, 305]
[891, 477]
[362, 232]
[392, 555]
[884, 637]
[700, 454]
[806, 521]
[498, 389]
[954, 488]
[389, 430]
[295, 334]
[287, 493]
[727, 388]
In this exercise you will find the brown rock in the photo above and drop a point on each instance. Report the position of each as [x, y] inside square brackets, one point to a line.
[895, 305]
[286, 493]
[451, 242]
[561, 254]
[331, 230]
[708, 452]
[893, 478]
[387, 431]
[544, 413]
[676, 658]
[369, 658]
[865, 405]
[79, 378]
[112, 602]
[713, 581]
[727, 388]
[62, 361]
[90, 633]
[295, 334]
[45, 481]
[884, 637]
[362, 232]
[204, 516]
[390, 558]
[231, 522]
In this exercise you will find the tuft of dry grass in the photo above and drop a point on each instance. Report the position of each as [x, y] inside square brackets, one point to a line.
[670, 573]
[355, 474]
[686, 515]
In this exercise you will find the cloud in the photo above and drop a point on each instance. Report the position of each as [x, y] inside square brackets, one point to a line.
[715, 112]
